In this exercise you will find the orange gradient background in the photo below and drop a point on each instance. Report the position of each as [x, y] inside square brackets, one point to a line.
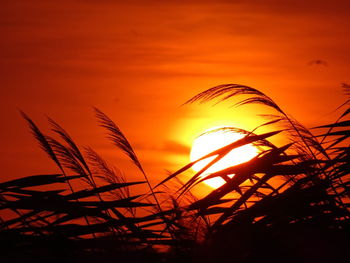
[138, 61]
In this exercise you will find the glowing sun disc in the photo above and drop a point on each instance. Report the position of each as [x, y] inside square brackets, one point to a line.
[212, 140]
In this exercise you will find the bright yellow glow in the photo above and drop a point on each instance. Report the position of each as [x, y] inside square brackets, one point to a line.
[211, 141]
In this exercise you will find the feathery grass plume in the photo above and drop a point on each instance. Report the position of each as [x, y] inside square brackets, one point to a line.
[117, 137]
[309, 143]
[72, 152]
[227, 91]
[45, 145]
[106, 172]
[346, 90]
[74, 159]
[42, 139]
[67, 158]
[49, 145]
[73, 148]
[109, 174]
[231, 90]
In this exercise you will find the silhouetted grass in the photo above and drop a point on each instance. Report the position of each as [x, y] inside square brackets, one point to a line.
[289, 203]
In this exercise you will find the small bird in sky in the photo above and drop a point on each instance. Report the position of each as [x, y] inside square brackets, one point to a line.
[318, 62]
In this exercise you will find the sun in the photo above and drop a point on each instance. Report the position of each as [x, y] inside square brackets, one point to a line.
[216, 138]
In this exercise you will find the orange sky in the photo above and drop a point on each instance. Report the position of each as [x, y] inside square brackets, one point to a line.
[138, 61]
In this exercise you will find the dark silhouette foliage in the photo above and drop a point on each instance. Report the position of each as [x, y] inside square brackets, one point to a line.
[289, 203]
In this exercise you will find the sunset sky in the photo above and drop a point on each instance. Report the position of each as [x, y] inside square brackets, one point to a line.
[138, 61]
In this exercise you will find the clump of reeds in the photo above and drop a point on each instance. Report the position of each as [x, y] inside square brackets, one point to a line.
[249, 218]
